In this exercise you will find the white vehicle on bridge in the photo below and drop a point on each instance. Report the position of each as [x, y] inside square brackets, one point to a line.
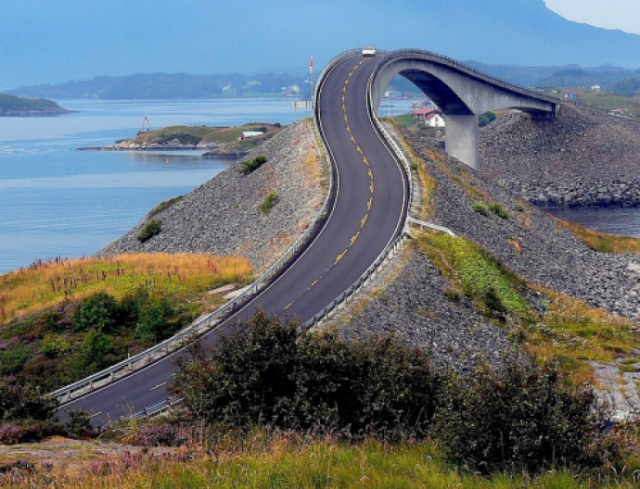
[369, 51]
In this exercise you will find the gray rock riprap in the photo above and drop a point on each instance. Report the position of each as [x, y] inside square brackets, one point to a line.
[412, 304]
[529, 242]
[583, 157]
[414, 308]
[223, 216]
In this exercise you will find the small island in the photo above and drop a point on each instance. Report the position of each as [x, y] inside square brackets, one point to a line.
[12, 106]
[218, 142]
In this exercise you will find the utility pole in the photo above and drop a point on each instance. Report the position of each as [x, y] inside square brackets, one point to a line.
[311, 79]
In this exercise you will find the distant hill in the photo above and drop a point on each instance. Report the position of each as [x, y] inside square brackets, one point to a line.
[164, 86]
[17, 106]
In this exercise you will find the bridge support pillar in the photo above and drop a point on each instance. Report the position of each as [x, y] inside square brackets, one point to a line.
[462, 136]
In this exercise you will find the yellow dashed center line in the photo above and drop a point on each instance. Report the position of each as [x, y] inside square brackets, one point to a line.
[288, 306]
[354, 238]
[363, 221]
[340, 256]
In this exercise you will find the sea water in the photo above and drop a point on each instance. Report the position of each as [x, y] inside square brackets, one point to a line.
[57, 201]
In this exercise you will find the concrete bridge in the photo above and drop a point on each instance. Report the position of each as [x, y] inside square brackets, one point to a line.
[462, 94]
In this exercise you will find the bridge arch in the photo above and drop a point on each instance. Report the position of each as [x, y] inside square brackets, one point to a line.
[461, 92]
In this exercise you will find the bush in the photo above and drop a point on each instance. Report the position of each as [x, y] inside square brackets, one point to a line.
[270, 200]
[10, 434]
[498, 210]
[19, 402]
[253, 164]
[79, 424]
[266, 373]
[519, 417]
[151, 229]
[480, 209]
[99, 311]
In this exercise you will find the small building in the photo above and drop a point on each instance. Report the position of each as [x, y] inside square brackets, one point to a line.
[429, 117]
[434, 119]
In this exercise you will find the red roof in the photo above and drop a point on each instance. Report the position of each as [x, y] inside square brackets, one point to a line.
[423, 111]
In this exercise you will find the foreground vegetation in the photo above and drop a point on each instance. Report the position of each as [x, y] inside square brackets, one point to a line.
[264, 459]
[270, 407]
[61, 320]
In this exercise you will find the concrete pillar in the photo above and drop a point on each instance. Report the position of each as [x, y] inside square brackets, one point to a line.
[462, 136]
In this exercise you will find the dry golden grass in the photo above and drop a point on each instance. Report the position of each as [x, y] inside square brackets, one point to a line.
[575, 333]
[44, 284]
[601, 241]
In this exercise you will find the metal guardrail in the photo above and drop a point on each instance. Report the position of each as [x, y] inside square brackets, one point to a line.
[430, 225]
[197, 328]
[389, 251]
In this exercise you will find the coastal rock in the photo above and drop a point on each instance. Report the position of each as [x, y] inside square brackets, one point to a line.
[583, 157]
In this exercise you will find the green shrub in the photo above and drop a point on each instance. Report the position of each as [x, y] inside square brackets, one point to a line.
[79, 423]
[486, 119]
[151, 229]
[270, 200]
[267, 373]
[480, 209]
[100, 311]
[498, 210]
[253, 164]
[20, 402]
[520, 417]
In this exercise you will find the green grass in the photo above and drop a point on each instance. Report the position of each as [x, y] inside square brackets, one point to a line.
[479, 275]
[38, 337]
[606, 243]
[291, 461]
[207, 134]
[269, 202]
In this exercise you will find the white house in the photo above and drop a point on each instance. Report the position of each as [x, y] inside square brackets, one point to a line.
[429, 116]
[434, 119]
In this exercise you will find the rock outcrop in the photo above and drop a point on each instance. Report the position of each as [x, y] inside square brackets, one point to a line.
[583, 157]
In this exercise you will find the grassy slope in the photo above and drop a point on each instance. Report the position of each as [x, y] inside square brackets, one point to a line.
[228, 136]
[285, 460]
[39, 341]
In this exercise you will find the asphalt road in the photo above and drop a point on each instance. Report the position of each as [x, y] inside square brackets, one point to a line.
[368, 213]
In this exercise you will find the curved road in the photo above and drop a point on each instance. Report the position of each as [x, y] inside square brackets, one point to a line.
[368, 213]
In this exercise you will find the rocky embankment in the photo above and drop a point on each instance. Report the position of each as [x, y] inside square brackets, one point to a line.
[583, 157]
[224, 215]
[411, 301]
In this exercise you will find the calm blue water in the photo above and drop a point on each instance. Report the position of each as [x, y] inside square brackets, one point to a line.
[613, 220]
[56, 201]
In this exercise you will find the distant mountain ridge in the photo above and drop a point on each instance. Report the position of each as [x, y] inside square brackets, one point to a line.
[163, 86]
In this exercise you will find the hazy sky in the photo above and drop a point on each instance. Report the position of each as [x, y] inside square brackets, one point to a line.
[43, 41]
[611, 14]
